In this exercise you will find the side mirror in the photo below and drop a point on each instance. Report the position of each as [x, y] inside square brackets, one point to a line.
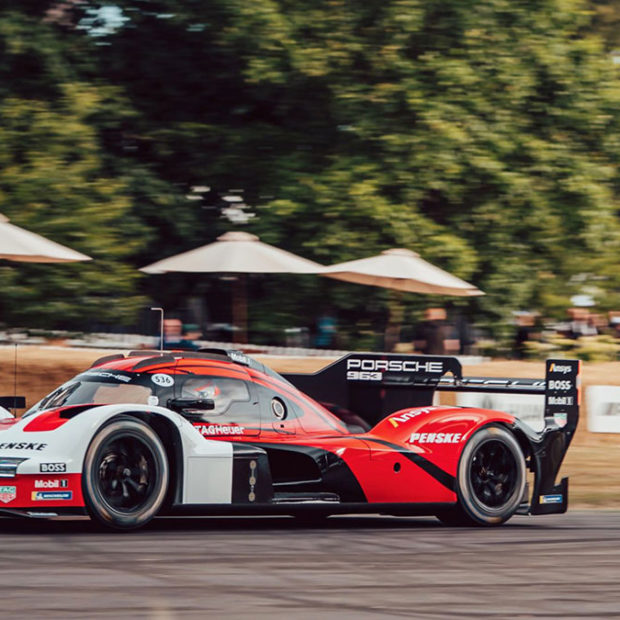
[5, 414]
[190, 405]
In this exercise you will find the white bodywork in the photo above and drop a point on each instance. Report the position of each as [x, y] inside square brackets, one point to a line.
[207, 464]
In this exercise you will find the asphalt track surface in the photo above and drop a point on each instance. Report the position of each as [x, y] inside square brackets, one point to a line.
[565, 566]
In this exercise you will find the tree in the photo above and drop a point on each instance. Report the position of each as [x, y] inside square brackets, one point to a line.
[53, 182]
[481, 134]
[606, 22]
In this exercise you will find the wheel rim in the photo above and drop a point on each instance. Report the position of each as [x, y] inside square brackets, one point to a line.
[493, 474]
[127, 474]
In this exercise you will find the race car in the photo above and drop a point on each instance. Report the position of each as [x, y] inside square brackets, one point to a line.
[216, 432]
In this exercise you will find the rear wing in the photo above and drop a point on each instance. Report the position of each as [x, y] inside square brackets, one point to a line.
[13, 402]
[375, 385]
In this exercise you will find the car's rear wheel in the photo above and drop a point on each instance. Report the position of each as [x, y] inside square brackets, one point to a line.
[125, 475]
[491, 479]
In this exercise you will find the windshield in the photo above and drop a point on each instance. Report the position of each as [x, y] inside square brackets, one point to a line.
[99, 387]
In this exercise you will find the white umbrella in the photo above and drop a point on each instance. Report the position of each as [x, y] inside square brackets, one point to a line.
[238, 253]
[22, 245]
[235, 252]
[401, 270]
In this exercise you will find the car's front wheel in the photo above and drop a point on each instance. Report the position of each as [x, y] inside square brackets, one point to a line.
[125, 475]
[490, 481]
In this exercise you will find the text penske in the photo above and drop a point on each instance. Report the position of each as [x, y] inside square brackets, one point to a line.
[22, 445]
[421, 438]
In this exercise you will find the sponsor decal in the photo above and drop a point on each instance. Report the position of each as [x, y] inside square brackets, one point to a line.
[560, 419]
[162, 380]
[52, 468]
[561, 400]
[357, 375]
[421, 438]
[51, 496]
[108, 375]
[22, 445]
[220, 429]
[562, 369]
[551, 499]
[401, 418]
[51, 484]
[7, 494]
[562, 385]
[240, 358]
[378, 365]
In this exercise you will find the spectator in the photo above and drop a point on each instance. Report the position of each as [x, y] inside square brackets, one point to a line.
[431, 334]
[580, 323]
[614, 323]
[526, 331]
[325, 331]
[465, 334]
[175, 338]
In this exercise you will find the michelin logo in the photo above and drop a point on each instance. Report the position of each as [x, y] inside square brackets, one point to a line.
[551, 499]
[38, 496]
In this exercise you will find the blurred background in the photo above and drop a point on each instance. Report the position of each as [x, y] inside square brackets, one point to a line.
[482, 135]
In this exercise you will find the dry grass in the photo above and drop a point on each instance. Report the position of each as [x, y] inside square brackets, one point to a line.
[593, 461]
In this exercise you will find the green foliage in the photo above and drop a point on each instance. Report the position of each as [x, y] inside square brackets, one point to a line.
[588, 348]
[606, 21]
[483, 135]
[52, 181]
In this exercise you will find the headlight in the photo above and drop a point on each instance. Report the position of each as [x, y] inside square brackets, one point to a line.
[8, 466]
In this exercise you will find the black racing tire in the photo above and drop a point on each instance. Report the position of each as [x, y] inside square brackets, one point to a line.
[455, 517]
[490, 481]
[125, 475]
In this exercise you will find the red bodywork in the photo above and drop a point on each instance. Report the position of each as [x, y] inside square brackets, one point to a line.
[410, 456]
[373, 444]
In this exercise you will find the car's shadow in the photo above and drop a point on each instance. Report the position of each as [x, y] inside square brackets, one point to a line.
[83, 525]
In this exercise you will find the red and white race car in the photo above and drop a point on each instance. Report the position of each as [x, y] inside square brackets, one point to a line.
[213, 432]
